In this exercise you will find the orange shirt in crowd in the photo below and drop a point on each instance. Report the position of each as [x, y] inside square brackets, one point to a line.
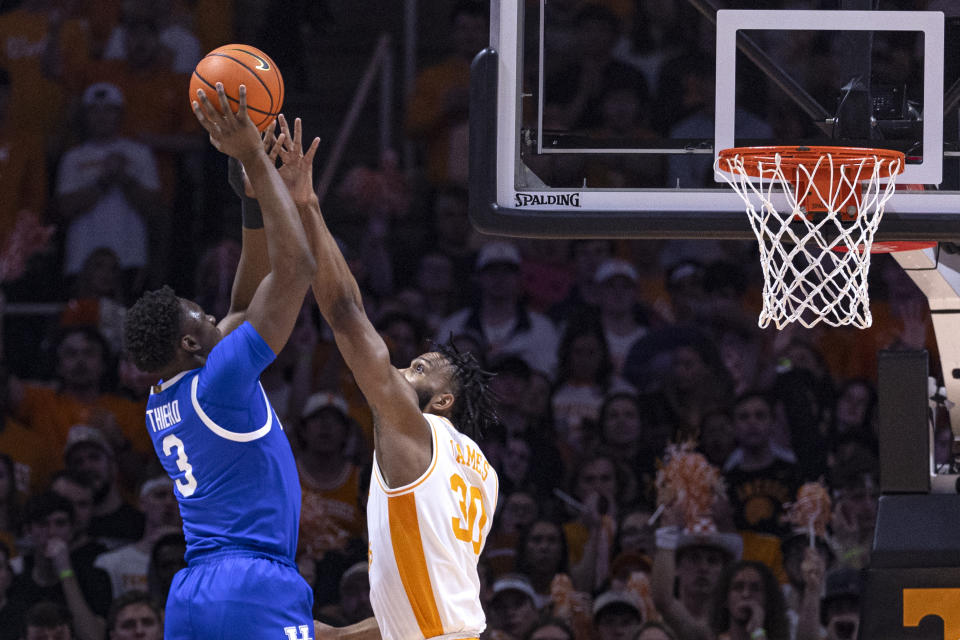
[425, 120]
[37, 101]
[23, 178]
[51, 414]
[330, 516]
[32, 463]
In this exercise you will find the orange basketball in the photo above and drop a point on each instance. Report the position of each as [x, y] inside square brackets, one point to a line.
[240, 64]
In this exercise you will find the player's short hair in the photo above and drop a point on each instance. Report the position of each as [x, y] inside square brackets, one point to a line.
[474, 405]
[124, 600]
[151, 329]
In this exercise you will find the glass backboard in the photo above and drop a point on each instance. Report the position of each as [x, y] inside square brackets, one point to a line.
[605, 119]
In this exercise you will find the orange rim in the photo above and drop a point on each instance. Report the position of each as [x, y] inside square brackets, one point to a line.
[893, 246]
[792, 157]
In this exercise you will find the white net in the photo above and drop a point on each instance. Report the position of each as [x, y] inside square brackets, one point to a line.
[815, 263]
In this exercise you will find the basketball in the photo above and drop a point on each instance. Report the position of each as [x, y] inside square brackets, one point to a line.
[240, 64]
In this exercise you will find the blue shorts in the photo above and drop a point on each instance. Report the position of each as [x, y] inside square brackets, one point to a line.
[238, 596]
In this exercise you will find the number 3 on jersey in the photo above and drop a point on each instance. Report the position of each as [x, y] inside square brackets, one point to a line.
[189, 484]
[463, 524]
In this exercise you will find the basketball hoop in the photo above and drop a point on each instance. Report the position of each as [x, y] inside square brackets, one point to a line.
[815, 253]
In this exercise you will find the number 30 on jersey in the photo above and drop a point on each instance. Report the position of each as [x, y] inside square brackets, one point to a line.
[466, 527]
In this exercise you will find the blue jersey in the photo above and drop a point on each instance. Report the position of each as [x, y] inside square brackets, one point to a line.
[222, 444]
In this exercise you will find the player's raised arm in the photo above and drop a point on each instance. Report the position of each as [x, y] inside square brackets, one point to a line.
[254, 264]
[274, 306]
[392, 399]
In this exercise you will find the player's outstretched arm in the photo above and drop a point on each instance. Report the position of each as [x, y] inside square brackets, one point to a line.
[275, 304]
[391, 398]
[254, 264]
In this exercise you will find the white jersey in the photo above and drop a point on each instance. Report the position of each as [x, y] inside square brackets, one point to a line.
[425, 539]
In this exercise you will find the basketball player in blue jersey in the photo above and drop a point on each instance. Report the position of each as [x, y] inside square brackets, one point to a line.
[433, 493]
[211, 423]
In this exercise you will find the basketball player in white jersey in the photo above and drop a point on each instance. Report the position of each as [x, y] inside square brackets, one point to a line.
[433, 493]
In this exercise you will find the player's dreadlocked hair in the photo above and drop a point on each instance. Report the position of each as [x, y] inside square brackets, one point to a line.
[474, 408]
[151, 329]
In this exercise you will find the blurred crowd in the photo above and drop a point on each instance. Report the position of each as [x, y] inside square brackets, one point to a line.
[607, 352]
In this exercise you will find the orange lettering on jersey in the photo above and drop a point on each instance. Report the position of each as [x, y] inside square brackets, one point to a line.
[459, 455]
[463, 525]
[471, 457]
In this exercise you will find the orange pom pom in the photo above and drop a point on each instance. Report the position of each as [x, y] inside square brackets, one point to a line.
[689, 481]
[811, 510]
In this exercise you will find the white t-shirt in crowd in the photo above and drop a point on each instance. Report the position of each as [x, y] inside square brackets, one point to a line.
[112, 222]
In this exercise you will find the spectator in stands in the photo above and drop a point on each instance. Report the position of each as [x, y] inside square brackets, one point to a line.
[841, 604]
[617, 615]
[599, 489]
[11, 613]
[41, 45]
[127, 565]
[135, 616]
[636, 535]
[686, 570]
[855, 489]
[22, 165]
[81, 396]
[748, 603]
[107, 187]
[717, 436]
[330, 517]
[802, 405]
[404, 335]
[577, 88]
[166, 558]
[514, 609]
[583, 375]
[516, 471]
[587, 256]
[452, 235]
[354, 602]
[623, 320]
[48, 621]
[114, 521]
[26, 450]
[633, 436]
[541, 554]
[99, 297]
[288, 380]
[805, 567]
[436, 114]
[182, 48]
[50, 573]
[855, 410]
[695, 383]
[502, 318]
[519, 511]
[436, 282]
[761, 477]
[78, 489]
